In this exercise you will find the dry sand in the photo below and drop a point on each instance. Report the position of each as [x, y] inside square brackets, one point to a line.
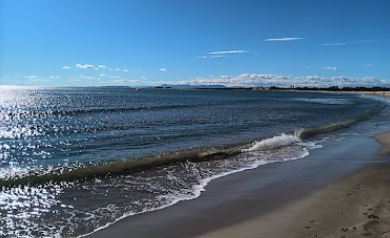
[358, 206]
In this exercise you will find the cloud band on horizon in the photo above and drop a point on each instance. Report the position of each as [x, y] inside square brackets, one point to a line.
[257, 80]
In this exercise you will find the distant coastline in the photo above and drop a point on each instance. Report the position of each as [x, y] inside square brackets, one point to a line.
[377, 91]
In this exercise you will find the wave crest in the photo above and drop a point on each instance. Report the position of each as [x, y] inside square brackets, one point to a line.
[120, 167]
[275, 142]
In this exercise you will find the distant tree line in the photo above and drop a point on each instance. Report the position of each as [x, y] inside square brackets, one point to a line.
[221, 87]
[333, 88]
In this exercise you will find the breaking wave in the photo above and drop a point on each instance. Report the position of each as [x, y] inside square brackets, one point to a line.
[275, 142]
[121, 167]
[196, 176]
[153, 183]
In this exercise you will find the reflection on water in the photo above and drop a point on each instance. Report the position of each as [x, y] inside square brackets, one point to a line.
[62, 126]
[45, 130]
[22, 207]
[72, 209]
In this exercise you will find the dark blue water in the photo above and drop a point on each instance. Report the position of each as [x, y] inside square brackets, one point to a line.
[61, 126]
[46, 128]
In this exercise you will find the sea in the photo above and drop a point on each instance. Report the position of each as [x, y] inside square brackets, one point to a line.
[76, 160]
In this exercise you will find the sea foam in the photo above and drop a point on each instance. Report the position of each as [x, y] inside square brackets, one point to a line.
[275, 142]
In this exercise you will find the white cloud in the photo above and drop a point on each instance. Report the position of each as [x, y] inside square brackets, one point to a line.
[35, 79]
[364, 41]
[253, 80]
[99, 67]
[227, 52]
[334, 44]
[369, 65]
[163, 70]
[347, 43]
[221, 54]
[85, 66]
[212, 56]
[330, 68]
[119, 81]
[105, 67]
[284, 39]
[102, 67]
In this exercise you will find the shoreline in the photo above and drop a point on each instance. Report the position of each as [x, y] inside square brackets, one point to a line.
[384, 139]
[357, 205]
[244, 200]
[384, 94]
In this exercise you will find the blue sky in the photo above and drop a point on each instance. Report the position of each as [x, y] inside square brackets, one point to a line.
[236, 43]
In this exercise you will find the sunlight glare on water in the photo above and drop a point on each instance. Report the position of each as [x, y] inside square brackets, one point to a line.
[44, 131]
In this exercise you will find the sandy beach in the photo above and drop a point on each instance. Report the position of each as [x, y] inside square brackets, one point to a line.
[342, 192]
[356, 206]
[376, 93]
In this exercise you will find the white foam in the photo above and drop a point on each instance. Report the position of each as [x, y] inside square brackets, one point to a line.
[275, 142]
[196, 190]
[173, 199]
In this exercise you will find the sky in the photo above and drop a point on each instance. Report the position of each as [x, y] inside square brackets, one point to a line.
[234, 43]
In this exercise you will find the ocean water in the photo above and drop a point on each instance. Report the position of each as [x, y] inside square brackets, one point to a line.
[67, 135]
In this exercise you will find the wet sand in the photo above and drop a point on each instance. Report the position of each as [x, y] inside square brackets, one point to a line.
[319, 195]
[356, 206]
[384, 139]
